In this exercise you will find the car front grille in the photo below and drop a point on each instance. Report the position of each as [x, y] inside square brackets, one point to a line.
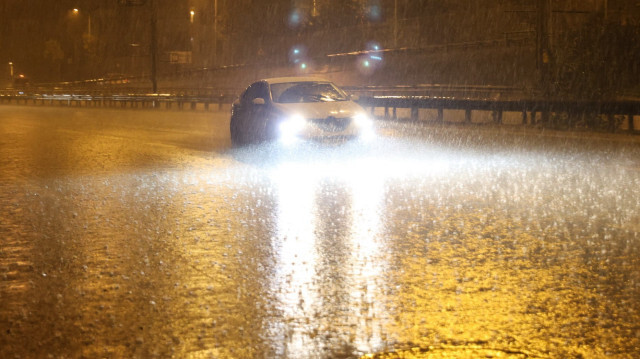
[332, 124]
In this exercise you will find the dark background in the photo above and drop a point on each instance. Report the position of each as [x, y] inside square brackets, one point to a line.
[589, 48]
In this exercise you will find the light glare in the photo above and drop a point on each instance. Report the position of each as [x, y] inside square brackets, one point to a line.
[291, 128]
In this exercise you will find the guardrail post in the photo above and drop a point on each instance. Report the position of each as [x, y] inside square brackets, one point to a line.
[631, 124]
[611, 118]
[395, 113]
[524, 117]
[497, 117]
[414, 114]
[533, 117]
[386, 111]
[193, 105]
[440, 117]
[467, 116]
[545, 116]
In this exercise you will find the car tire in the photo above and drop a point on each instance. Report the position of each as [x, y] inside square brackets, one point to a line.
[271, 130]
[234, 128]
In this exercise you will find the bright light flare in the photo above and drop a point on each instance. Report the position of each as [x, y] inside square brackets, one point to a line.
[296, 18]
[365, 126]
[291, 128]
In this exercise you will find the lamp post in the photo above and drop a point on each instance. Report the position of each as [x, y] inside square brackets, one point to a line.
[11, 71]
[395, 24]
[154, 46]
[81, 58]
[76, 11]
[215, 32]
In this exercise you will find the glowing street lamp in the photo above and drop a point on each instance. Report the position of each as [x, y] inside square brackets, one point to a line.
[76, 12]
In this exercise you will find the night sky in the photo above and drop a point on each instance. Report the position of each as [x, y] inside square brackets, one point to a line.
[48, 42]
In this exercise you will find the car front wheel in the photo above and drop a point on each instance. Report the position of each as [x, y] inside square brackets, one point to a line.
[236, 137]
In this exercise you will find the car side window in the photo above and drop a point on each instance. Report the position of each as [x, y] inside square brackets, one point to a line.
[248, 93]
[256, 90]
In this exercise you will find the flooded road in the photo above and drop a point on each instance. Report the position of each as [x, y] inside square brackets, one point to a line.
[144, 234]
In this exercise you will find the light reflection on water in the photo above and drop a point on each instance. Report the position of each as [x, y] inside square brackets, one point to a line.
[296, 256]
[303, 233]
[327, 253]
[472, 247]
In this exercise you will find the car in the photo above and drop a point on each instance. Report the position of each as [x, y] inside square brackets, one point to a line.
[294, 109]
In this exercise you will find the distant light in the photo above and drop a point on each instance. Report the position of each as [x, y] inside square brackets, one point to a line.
[295, 18]
[369, 63]
[373, 46]
[297, 54]
[303, 66]
[374, 13]
[75, 11]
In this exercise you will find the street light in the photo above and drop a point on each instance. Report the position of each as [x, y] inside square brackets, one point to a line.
[76, 12]
[11, 70]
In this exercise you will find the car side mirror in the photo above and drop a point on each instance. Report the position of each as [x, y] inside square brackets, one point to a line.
[258, 101]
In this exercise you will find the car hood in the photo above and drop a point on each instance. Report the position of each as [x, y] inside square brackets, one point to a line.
[337, 109]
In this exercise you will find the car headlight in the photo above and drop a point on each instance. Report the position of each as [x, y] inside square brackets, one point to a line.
[365, 126]
[362, 121]
[291, 127]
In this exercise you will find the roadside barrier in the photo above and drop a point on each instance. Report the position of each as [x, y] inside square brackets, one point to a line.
[612, 116]
[152, 101]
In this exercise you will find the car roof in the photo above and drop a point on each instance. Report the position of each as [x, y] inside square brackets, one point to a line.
[276, 80]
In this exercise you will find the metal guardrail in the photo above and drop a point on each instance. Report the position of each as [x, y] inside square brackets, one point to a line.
[447, 91]
[604, 115]
[166, 101]
[608, 115]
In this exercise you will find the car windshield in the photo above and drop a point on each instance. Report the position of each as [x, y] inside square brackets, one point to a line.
[295, 92]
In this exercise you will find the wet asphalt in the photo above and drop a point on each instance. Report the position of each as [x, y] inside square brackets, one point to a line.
[141, 233]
